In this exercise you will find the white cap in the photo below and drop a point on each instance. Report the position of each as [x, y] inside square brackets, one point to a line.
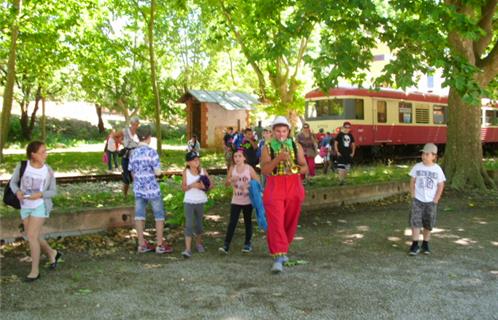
[429, 148]
[134, 119]
[280, 120]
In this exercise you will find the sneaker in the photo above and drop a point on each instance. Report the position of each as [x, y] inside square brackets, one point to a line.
[247, 248]
[278, 265]
[147, 247]
[186, 254]
[200, 248]
[164, 249]
[414, 249]
[285, 259]
[425, 248]
[223, 250]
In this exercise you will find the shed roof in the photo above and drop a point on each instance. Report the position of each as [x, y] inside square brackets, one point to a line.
[229, 100]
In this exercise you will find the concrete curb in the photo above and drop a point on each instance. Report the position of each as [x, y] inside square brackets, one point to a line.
[95, 220]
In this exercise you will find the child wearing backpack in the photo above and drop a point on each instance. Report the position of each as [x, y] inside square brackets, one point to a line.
[34, 188]
[239, 176]
[195, 183]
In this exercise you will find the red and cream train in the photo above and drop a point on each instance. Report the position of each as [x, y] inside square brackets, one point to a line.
[390, 117]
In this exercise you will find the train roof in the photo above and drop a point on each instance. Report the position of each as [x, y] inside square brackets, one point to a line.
[381, 93]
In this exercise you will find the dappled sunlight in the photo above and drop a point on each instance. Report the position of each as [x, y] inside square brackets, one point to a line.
[341, 221]
[213, 234]
[350, 238]
[408, 231]
[355, 236]
[494, 272]
[461, 229]
[479, 220]
[465, 241]
[213, 217]
[495, 243]
[298, 238]
[394, 239]
[363, 228]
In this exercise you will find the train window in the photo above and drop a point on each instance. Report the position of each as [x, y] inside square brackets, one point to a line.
[335, 109]
[311, 109]
[405, 112]
[381, 111]
[439, 114]
[421, 114]
[353, 109]
[491, 118]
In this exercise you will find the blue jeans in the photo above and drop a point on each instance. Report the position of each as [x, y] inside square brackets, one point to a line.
[157, 208]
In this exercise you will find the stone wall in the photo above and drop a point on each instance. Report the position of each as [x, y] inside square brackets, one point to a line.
[101, 219]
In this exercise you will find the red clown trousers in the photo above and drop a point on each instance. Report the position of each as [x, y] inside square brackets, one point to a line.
[282, 200]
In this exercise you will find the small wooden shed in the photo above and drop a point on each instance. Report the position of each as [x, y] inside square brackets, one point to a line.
[209, 113]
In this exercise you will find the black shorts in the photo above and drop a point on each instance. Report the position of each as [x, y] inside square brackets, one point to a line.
[127, 178]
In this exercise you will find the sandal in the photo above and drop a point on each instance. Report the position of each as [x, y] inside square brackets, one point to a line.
[53, 265]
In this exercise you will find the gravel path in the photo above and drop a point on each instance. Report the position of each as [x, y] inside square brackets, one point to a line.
[355, 267]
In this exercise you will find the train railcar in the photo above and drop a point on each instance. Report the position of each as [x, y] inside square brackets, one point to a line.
[389, 117]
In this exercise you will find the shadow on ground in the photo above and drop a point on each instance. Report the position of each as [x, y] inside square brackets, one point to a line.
[355, 267]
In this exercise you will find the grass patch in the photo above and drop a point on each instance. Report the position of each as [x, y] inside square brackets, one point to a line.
[91, 162]
[365, 175]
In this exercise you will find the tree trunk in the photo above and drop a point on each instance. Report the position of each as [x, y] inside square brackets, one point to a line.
[8, 93]
[463, 163]
[101, 127]
[24, 120]
[43, 122]
[153, 76]
[33, 114]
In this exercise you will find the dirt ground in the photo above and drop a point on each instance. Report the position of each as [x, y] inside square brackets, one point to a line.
[353, 264]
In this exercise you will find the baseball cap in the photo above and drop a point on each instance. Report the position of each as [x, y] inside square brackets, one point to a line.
[280, 120]
[143, 132]
[346, 123]
[429, 148]
[191, 156]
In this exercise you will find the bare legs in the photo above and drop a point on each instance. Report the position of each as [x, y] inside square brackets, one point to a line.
[416, 234]
[140, 224]
[32, 228]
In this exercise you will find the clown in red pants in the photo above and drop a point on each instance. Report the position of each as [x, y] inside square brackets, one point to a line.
[282, 199]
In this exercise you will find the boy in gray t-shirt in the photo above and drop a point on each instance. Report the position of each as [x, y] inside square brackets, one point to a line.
[426, 186]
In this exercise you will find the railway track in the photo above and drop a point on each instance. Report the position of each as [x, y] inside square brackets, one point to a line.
[113, 177]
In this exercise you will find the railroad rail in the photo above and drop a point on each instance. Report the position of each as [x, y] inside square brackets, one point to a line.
[114, 177]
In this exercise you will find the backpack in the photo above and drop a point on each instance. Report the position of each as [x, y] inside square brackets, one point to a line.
[9, 198]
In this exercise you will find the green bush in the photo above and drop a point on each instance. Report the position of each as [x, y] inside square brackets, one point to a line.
[66, 131]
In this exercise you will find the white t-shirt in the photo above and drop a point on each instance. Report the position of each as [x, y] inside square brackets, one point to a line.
[111, 144]
[426, 180]
[194, 195]
[33, 180]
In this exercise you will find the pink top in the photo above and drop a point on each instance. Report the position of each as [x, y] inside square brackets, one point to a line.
[241, 186]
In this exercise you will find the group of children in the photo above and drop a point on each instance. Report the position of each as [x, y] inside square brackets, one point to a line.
[282, 163]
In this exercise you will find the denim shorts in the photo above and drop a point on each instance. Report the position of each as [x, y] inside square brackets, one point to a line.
[38, 212]
[157, 208]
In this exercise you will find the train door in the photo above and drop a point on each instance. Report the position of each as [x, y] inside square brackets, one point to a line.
[381, 129]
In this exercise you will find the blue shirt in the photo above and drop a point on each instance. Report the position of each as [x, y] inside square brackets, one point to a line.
[143, 162]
